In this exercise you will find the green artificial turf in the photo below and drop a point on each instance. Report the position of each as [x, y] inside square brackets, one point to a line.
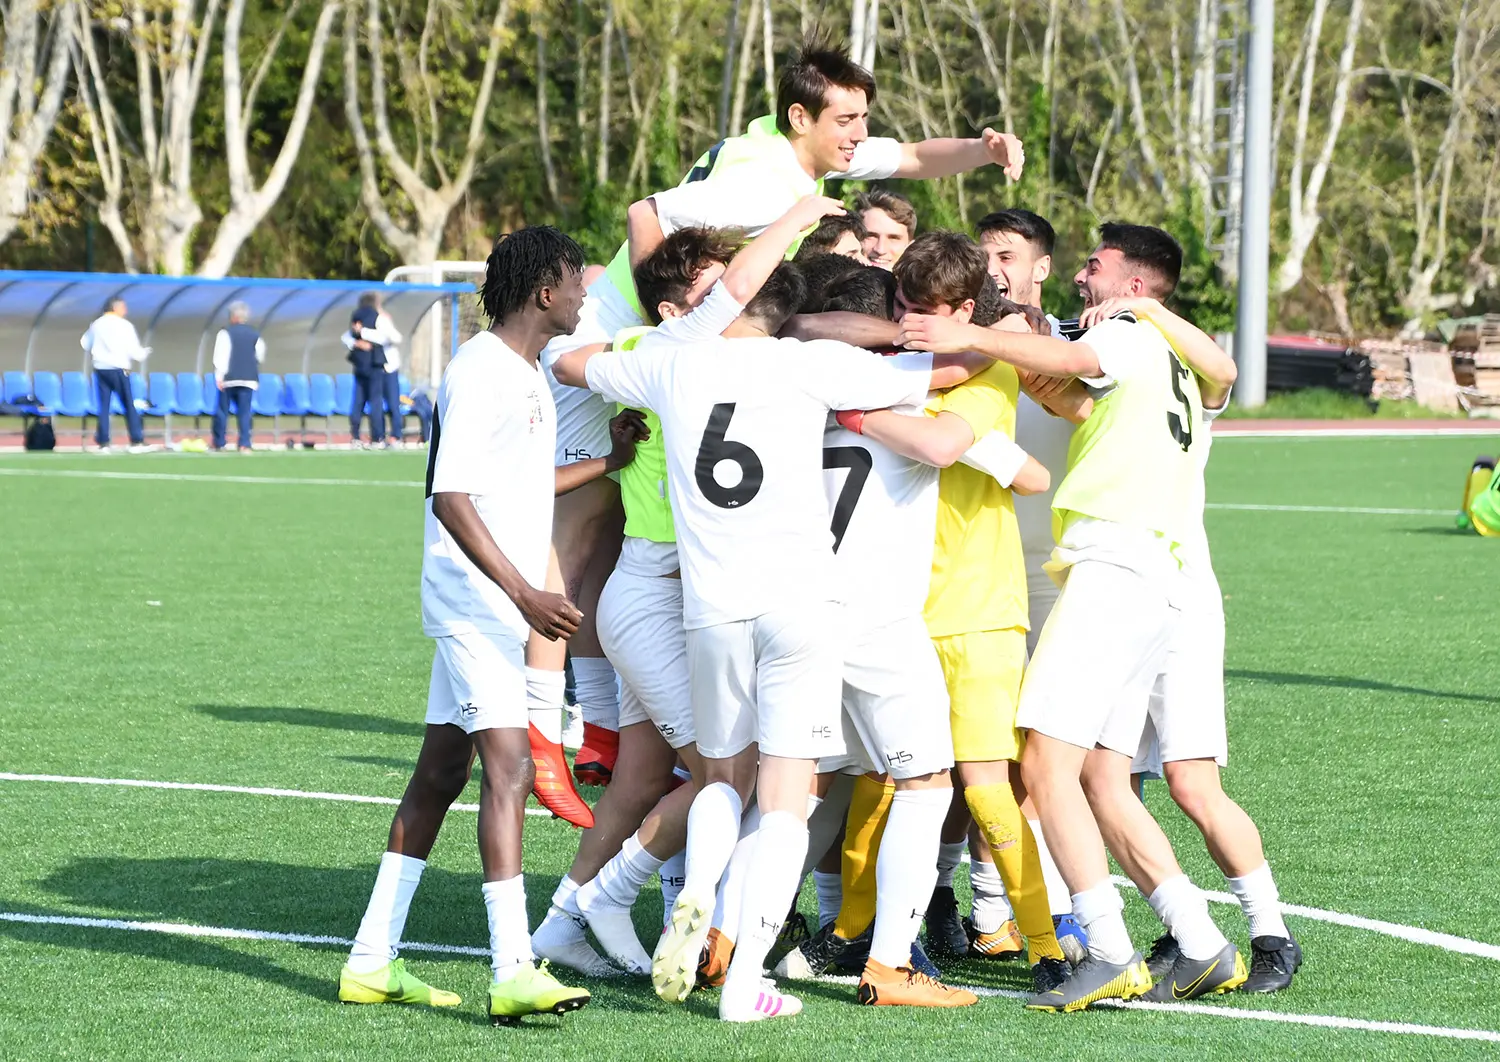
[267, 634]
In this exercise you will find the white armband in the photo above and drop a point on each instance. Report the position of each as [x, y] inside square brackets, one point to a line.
[996, 456]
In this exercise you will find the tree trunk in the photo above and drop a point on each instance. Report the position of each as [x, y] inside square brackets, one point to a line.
[26, 119]
[742, 77]
[543, 128]
[726, 79]
[606, 50]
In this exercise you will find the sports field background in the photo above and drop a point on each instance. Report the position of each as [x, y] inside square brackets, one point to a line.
[204, 629]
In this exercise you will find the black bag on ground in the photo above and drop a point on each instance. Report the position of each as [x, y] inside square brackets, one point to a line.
[40, 436]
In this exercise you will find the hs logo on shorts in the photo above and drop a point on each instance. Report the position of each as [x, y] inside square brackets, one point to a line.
[468, 709]
[822, 731]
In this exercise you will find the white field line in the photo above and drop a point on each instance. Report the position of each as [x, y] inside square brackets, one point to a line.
[1413, 934]
[1353, 432]
[249, 790]
[221, 932]
[294, 481]
[1320, 1020]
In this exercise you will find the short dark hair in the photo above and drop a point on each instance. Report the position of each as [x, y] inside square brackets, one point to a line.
[368, 298]
[1033, 228]
[806, 80]
[820, 273]
[1149, 249]
[893, 203]
[824, 238]
[778, 298]
[524, 262]
[871, 291]
[941, 268]
[670, 271]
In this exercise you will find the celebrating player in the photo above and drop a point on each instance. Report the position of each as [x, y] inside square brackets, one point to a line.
[490, 485]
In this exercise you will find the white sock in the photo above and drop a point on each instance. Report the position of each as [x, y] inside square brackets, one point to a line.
[732, 885]
[1098, 911]
[510, 936]
[1183, 909]
[991, 906]
[596, 691]
[1260, 901]
[544, 702]
[825, 819]
[713, 830]
[949, 857]
[565, 896]
[830, 894]
[905, 869]
[621, 879]
[671, 877]
[1057, 889]
[379, 936]
[770, 886]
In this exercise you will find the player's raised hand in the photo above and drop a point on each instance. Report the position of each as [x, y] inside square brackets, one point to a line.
[1006, 151]
[941, 335]
[550, 615]
[1138, 305]
[626, 429]
[811, 209]
[1043, 387]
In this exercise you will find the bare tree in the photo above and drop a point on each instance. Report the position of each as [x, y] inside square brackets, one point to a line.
[1302, 198]
[35, 57]
[249, 204]
[417, 238]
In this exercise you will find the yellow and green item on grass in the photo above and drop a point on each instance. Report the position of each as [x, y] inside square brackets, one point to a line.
[1480, 511]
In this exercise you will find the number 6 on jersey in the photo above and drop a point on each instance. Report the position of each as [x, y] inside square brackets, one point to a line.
[715, 449]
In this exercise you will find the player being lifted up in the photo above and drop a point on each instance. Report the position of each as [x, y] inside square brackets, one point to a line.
[819, 130]
[692, 297]
[490, 484]
[1121, 511]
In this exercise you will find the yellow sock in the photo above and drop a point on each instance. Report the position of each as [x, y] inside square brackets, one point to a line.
[999, 817]
[868, 810]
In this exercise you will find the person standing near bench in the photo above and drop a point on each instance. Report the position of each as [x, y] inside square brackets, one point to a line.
[385, 334]
[238, 352]
[113, 344]
[367, 355]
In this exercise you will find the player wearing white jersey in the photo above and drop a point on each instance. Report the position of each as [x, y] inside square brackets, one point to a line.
[490, 484]
[1121, 510]
[1185, 740]
[819, 130]
[640, 616]
[743, 419]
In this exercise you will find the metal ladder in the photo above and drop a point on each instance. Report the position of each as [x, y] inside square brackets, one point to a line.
[1225, 148]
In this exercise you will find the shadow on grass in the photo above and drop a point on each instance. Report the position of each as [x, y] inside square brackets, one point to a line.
[321, 718]
[1285, 678]
[278, 898]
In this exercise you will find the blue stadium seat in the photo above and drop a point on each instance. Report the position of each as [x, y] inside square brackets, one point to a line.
[190, 395]
[161, 396]
[47, 386]
[294, 395]
[210, 394]
[16, 384]
[405, 385]
[139, 392]
[267, 402]
[320, 402]
[77, 401]
[343, 392]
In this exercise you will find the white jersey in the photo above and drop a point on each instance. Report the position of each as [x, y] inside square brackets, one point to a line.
[884, 523]
[743, 424]
[492, 439]
[1193, 550]
[1045, 438]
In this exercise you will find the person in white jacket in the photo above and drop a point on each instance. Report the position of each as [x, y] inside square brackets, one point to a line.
[112, 344]
[387, 336]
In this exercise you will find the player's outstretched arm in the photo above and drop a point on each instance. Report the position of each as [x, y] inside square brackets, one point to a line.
[937, 441]
[949, 156]
[550, 615]
[626, 429]
[1038, 354]
[643, 230]
[1214, 367]
[758, 259]
[856, 329]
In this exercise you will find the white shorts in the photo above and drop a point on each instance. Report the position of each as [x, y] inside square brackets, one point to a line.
[896, 698]
[1185, 716]
[772, 680]
[478, 682]
[583, 416]
[854, 759]
[639, 620]
[1100, 651]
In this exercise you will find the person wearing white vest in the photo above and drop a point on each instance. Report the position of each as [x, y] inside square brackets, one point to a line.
[386, 334]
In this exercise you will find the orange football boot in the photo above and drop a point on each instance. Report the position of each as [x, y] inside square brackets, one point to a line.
[553, 787]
